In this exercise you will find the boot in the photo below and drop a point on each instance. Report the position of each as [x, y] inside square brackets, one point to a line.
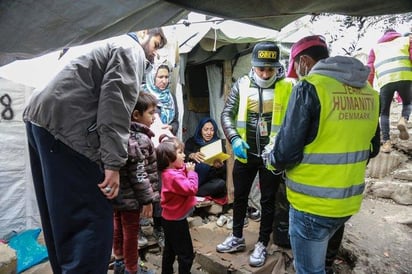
[386, 147]
[403, 131]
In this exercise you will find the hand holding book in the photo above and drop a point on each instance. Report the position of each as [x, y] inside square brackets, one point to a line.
[213, 154]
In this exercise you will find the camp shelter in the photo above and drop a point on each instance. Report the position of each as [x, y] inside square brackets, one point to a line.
[34, 28]
[213, 54]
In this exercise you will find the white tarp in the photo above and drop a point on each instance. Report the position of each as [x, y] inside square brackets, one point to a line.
[18, 209]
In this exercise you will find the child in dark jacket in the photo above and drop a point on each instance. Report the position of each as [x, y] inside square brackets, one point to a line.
[136, 191]
[179, 187]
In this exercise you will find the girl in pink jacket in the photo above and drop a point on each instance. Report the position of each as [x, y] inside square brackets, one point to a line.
[178, 190]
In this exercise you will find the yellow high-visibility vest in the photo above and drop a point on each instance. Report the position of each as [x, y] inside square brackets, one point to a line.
[282, 91]
[392, 61]
[329, 181]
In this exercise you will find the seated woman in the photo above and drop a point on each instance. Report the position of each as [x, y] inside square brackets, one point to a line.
[212, 179]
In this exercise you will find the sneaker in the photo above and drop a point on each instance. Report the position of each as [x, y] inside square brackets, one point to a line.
[160, 236]
[142, 240]
[118, 267]
[231, 244]
[258, 256]
[403, 132]
[253, 214]
[145, 221]
[246, 222]
[144, 270]
[221, 221]
[386, 147]
[229, 224]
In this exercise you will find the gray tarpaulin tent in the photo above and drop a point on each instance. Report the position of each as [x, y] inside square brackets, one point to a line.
[30, 28]
[34, 27]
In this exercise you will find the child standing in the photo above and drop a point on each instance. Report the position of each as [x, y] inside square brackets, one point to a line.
[179, 187]
[136, 191]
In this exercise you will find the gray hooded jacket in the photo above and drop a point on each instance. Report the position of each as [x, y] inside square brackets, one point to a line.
[88, 104]
[302, 116]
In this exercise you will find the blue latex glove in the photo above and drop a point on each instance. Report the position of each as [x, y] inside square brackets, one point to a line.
[239, 148]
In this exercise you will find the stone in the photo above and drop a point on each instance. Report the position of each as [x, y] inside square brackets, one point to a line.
[401, 193]
[8, 260]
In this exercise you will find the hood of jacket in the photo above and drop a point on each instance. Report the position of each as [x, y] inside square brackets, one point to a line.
[389, 36]
[347, 70]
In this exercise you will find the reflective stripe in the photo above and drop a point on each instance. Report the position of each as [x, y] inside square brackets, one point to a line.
[335, 158]
[398, 69]
[274, 128]
[325, 192]
[240, 124]
[393, 59]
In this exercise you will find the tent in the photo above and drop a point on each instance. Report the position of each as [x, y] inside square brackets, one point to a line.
[33, 28]
[203, 49]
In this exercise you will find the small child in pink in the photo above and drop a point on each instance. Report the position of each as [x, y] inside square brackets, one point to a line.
[179, 188]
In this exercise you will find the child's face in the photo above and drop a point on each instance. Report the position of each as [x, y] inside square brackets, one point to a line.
[180, 159]
[147, 117]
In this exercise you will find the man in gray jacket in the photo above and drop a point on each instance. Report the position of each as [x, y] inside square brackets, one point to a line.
[78, 129]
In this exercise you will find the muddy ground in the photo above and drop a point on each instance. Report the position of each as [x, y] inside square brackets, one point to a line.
[378, 239]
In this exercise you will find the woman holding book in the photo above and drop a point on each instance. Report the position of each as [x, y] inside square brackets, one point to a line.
[212, 178]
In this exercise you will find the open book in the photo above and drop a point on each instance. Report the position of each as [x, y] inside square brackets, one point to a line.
[213, 152]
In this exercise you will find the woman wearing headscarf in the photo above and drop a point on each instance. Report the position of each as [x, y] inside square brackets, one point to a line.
[212, 181]
[157, 83]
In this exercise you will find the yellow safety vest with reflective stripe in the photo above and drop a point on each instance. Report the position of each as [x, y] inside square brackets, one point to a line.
[282, 91]
[329, 181]
[392, 61]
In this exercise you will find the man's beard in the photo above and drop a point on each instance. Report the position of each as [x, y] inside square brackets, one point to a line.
[147, 51]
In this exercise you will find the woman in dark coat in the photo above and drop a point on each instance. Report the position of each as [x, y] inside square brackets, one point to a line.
[212, 179]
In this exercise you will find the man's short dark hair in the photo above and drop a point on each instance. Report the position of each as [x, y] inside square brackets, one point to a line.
[144, 101]
[158, 31]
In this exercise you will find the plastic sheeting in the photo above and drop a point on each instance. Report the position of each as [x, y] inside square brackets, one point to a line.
[18, 207]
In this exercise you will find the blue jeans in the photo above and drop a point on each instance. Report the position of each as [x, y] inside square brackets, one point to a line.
[309, 237]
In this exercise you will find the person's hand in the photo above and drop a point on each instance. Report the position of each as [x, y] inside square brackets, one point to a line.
[239, 148]
[198, 157]
[218, 163]
[147, 211]
[168, 127]
[110, 185]
[190, 166]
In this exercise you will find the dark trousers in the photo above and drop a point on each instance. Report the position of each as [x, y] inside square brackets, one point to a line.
[243, 177]
[77, 219]
[126, 231]
[404, 88]
[333, 246]
[215, 188]
[178, 242]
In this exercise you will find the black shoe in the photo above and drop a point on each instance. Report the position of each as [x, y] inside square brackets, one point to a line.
[118, 267]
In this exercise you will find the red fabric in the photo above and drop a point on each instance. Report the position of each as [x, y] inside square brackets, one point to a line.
[220, 201]
[125, 235]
